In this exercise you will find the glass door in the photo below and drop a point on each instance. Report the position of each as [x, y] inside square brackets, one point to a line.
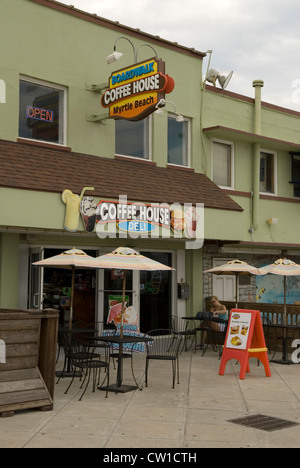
[156, 294]
[112, 281]
[35, 293]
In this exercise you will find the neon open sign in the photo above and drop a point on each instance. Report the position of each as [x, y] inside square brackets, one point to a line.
[39, 114]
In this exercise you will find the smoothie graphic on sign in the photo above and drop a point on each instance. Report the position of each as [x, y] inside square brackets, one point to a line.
[88, 209]
[72, 202]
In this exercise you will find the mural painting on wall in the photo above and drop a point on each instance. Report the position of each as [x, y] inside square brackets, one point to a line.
[270, 289]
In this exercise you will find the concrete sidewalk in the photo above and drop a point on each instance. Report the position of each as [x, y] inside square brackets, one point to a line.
[195, 414]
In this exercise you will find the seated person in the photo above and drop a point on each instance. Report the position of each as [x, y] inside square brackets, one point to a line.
[218, 311]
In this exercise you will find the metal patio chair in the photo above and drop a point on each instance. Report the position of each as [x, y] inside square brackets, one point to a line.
[89, 363]
[187, 329]
[165, 346]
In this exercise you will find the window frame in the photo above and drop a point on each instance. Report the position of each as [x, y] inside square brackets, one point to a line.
[294, 181]
[150, 134]
[232, 163]
[275, 172]
[188, 121]
[53, 86]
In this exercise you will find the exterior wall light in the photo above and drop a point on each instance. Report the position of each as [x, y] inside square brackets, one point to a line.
[162, 103]
[272, 221]
[117, 55]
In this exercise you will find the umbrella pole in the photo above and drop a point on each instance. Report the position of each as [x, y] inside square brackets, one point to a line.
[123, 303]
[236, 290]
[72, 298]
[284, 311]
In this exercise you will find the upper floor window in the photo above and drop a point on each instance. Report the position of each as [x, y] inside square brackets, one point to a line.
[296, 174]
[268, 172]
[178, 141]
[133, 138]
[223, 164]
[42, 111]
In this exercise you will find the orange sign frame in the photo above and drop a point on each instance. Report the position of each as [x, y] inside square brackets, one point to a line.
[254, 343]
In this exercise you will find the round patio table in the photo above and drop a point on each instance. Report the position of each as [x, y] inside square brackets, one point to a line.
[119, 387]
[285, 339]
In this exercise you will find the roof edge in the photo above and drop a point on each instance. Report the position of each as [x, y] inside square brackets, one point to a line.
[115, 25]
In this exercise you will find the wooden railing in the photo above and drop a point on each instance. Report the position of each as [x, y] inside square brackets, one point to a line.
[272, 314]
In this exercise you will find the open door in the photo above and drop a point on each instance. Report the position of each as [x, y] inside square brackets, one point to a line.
[36, 276]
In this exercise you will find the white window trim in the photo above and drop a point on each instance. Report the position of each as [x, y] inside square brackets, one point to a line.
[65, 122]
[231, 144]
[150, 145]
[189, 142]
[275, 193]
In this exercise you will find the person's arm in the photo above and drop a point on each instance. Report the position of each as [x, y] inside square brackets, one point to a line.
[220, 311]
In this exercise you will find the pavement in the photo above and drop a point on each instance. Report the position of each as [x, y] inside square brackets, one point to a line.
[196, 414]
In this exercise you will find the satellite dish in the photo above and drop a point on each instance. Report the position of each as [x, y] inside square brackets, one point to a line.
[213, 75]
[224, 80]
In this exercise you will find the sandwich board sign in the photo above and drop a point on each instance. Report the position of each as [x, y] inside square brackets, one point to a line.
[245, 340]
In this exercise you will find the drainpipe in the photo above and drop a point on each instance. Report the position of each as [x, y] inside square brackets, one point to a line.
[258, 85]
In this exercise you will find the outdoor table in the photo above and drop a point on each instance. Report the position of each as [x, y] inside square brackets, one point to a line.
[285, 339]
[207, 329]
[68, 332]
[119, 387]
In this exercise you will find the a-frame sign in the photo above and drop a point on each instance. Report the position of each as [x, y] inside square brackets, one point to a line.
[245, 340]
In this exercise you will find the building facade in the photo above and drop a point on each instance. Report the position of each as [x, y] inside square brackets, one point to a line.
[236, 158]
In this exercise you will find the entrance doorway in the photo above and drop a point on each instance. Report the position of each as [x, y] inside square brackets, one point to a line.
[224, 286]
[51, 288]
[149, 292]
[156, 294]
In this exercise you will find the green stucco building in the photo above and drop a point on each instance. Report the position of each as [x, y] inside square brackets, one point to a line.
[236, 156]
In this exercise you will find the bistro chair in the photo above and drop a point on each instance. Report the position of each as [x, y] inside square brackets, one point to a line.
[165, 346]
[216, 339]
[89, 363]
[187, 329]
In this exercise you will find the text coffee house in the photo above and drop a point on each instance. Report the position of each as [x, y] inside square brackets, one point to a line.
[85, 190]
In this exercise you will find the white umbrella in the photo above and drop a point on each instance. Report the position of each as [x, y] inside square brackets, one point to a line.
[69, 259]
[236, 268]
[125, 258]
[282, 267]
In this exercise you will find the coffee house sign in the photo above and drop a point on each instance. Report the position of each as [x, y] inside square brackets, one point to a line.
[135, 91]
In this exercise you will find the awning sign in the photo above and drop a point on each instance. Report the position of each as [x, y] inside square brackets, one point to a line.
[135, 91]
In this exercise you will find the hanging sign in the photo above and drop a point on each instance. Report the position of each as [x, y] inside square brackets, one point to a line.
[135, 91]
[245, 340]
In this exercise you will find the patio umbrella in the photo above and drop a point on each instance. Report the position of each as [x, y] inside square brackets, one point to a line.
[236, 268]
[282, 267]
[69, 259]
[125, 258]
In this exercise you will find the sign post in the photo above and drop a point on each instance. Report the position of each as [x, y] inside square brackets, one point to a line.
[245, 340]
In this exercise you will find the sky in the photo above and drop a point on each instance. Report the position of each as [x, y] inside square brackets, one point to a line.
[257, 39]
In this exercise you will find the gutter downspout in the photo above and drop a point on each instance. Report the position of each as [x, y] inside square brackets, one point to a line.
[258, 85]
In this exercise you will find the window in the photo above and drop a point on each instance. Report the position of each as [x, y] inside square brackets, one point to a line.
[42, 112]
[178, 141]
[296, 174]
[132, 138]
[267, 172]
[223, 164]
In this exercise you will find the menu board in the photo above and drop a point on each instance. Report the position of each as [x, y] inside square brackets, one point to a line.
[238, 330]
